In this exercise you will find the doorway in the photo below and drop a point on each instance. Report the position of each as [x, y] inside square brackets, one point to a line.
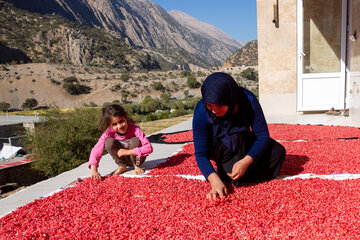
[321, 52]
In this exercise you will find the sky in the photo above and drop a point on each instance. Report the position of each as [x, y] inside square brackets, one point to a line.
[234, 17]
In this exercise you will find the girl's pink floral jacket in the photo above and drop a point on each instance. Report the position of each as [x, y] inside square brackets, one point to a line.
[133, 131]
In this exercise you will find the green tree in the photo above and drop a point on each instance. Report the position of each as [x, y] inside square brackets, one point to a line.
[4, 106]
[165, 98]
[29, 103]
[72, 86]
[72, 137]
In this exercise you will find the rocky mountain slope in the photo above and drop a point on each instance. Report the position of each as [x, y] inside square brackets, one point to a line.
[246, 56]
[28, 37]
[205, 29]
[144, 24]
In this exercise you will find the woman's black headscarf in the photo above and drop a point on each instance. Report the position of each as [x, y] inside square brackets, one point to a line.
[221, 88]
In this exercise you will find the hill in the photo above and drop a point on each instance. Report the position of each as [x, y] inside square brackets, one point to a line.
[245, 56]
[29, 37]
[142, 24]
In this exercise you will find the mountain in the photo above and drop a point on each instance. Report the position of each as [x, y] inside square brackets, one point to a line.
[245, 56]
[28, 37]
[205, 29]
[143, 24]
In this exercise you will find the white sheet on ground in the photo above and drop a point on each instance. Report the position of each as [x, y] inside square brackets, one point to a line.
[8, 151]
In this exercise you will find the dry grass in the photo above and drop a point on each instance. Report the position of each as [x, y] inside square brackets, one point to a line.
[158, 125]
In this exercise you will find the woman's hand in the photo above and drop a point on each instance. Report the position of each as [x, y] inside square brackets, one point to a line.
[218, 188]
[240, 167]
[94, 173]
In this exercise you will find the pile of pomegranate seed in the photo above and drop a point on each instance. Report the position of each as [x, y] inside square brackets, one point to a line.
[165, 206]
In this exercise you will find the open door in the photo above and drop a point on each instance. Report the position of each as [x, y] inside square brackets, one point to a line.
[321, 28]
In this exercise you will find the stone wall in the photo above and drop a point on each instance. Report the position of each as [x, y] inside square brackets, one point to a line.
[22, 174]
[277, 57]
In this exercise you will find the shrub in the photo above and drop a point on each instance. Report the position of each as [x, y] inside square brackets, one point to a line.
[63, 141]
[157, 86]
[191, 82]
[125, 77]
[29, 103]
[178, 112]
[200, 74]
[4, 106]
[72, 86]
[165, 97]
[186, 93]
[152, 105]
[151, 117]
[92, 104]
[185, 73]
[250, 73]
[115, 88]
[55, 81]
[191, 103]
[71, 80]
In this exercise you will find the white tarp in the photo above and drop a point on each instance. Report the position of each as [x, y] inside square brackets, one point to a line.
[8, 151]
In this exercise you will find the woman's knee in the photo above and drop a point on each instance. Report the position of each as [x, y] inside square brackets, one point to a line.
[281, 151]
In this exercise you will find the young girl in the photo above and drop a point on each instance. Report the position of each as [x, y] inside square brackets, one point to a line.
[123, 140]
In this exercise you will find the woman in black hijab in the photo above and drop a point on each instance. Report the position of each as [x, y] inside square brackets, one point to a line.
[229, 127]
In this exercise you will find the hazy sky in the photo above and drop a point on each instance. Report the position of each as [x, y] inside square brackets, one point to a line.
[235, 17]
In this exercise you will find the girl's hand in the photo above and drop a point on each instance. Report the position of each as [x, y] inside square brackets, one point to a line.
[240, 167]
[122, 152]
[125, 152]
[218, 188]
[94, 173]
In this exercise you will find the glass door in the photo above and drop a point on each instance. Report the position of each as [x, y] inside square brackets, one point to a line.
[321, 54]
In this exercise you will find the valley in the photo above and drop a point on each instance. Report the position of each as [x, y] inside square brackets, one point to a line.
[44, 82]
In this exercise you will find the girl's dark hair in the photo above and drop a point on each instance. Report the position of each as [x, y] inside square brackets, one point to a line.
[109, 111]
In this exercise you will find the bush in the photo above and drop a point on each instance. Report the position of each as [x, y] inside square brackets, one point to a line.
[4, 106]
[125, 77]
[165, 98]
[191, 82]
[115, 88]
[191, 103]
[29, 103]
[72, 86]
[185, 73]
[250, 73]
[54, 81]
[186, 93]
[200, 74]
[157, 86]
[63, 141]
[178, 112]
[71, 80]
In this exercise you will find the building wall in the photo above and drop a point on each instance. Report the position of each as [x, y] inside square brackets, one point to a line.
[277, 57]
[355, 64]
